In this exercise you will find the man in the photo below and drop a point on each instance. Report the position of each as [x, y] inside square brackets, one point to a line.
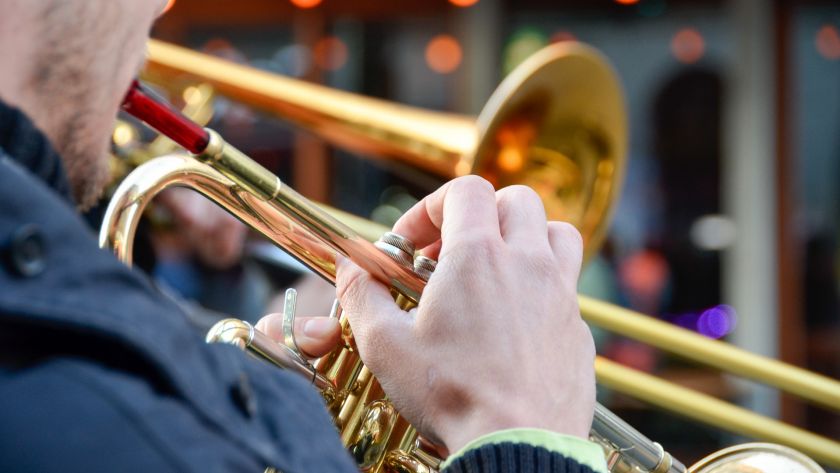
[99, 372]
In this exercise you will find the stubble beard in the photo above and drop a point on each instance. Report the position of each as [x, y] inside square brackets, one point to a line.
[85, 157]
[71, 81]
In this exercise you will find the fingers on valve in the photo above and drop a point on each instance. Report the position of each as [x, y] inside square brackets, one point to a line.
[374, 316]
[462, 206]
[316, 336]
[522, 218]
[432, 251]
[469, 208]
[271, 325]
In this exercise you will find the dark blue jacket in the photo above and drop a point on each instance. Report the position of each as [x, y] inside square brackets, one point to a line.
[99, 372]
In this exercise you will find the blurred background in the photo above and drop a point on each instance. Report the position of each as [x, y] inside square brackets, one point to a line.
[729, 218]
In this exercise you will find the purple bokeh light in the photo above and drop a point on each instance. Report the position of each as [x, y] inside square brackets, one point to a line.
[714, 322]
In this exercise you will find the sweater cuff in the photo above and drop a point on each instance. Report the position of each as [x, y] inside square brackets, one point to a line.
[582, 451]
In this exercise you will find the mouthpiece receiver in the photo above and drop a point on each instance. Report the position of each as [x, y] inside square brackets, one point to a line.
[141, 103]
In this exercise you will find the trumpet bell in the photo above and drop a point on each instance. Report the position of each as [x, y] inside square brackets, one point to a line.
[756, 458]
[557, 124]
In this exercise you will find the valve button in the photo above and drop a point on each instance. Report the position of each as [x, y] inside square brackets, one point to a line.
[289, 307]
[424, 267]
[398, 241]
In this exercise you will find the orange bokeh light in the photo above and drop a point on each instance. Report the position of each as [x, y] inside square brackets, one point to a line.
[443, 54]
[561, 36]
[688, 45]
[169, 5]
[306, 3]
[510, 159]
[463, 3]
[828, 42]
[330, 53]
[627, 2]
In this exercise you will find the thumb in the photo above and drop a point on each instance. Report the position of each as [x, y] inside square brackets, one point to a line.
[314, 336]
[378, 324]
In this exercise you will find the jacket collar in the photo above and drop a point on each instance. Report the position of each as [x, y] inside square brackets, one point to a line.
[30, 148]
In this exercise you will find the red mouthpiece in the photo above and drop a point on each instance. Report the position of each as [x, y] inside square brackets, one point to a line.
[142, 104]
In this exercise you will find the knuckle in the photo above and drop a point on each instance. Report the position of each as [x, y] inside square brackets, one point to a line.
[520, 198]
[567, 230]
[349, 287]
[520, 194]
[472, 184]
[376, 340]
[569, 235]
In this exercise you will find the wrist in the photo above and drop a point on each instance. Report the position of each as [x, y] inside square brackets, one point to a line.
[459, 430]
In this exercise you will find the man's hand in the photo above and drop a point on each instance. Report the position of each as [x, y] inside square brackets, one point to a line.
[314, 336]
[497, 341]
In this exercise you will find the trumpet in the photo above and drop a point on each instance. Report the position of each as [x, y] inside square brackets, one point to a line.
[375, 434]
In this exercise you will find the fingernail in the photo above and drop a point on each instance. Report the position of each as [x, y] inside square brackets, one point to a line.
[318, 327]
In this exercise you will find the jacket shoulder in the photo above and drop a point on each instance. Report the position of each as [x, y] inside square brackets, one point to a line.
[102, 420]
[94, 346]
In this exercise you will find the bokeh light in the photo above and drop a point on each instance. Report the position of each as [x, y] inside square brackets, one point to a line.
[293, 60]
[715, 322]
[463, 3]
[644, 272]
[443, 54]
[688, 45]
[514, 138]
[521, 46]
[828, 42]
[330, 53]
[561, 36]
[169, 5]
[306, 3]
[627, 2]
[124, 134]
[713, 232]
[510, 159]
[192, 95]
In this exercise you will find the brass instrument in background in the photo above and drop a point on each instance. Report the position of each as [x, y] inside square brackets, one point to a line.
[569, 147]
[375, 434]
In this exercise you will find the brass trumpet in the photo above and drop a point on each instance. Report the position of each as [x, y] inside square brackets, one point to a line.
[377, 436]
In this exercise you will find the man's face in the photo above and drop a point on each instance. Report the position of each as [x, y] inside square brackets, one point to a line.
[88, 53]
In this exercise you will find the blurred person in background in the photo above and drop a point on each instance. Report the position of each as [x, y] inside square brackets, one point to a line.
[190, 246]
[99, 371]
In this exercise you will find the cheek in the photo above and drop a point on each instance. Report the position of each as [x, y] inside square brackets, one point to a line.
[131, 33]
[129, 59]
